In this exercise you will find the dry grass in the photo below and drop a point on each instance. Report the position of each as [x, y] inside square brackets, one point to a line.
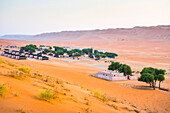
[47, 95]
[2, 90]
[59, 81]
[24, 69]
[11, 64]
[21, 110]
[1, 61]
[87, 110]
[18, 75]
[100, 96]
[114, 106]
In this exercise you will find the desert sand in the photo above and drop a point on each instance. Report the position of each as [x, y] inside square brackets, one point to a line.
[130, 95]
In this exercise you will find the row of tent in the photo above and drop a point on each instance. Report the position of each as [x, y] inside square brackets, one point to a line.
[20, 55]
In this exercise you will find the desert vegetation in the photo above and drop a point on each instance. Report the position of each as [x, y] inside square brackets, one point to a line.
[24, 69]
[47, 95]
[100, 96]
[122, 68]
[1, 61]
[72, 53]
[55, 90]
[152, 75]
[29, 48]
[2, 89]
[17, 75]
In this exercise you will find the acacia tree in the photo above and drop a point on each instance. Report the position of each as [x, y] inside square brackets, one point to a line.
[154, 72]
[114, 66]
[122, 68]
[148, 78]
[29, 48]
[60, 52]
[103, 56]
[90, 55]
[157, 72]
[97, 56]
[125, 69]
[161, 78]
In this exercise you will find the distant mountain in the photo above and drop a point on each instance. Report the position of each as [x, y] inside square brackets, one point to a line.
[153, 32]
[17, 37]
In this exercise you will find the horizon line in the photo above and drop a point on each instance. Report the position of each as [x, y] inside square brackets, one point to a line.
[93, 29]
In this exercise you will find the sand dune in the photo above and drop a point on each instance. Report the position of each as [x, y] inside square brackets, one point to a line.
[144, 100]
[138, 47]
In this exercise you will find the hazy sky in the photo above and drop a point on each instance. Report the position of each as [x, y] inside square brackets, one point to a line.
[37, 16]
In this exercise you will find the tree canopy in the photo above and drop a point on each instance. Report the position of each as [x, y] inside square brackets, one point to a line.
[77, 52]
[60, 52]
[87, 50]
[97, 56]
[29, 48]
[111, 55]
[47, 50]
[157, 74]
[161, 78]
[122, 68]
[125, 69]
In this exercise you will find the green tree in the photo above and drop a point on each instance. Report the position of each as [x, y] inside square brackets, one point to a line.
[57, 48]
[69, 53]
[96, 51]
[125, 69]
[42, 46]
[153, 71]
[29, 48]
[111, 66]
[90, 55]
[97, 56]
[60, 52]
[114, 66]
[87, 50]
[47, 50]
[111, 55]
[103, 56]
[161, 78]
[157, 74]
[54, 52]
[148, 78]
[77, 54]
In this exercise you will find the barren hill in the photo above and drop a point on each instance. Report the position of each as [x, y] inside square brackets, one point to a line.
[154, 32]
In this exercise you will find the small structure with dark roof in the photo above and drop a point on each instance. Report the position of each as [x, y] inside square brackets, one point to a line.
[43, 58]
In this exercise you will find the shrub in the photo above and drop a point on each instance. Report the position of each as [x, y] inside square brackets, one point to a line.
[47, 95]
[2, 90]
[103, 97]
[59, 81]
[24, 69]
[21, 109]
[100, 96]
[96, 93]
[81, 87]
[11, 64]
[114, 106]
[1, 61]
[18, 75]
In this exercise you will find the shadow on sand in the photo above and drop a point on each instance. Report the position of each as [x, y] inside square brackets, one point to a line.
[142, 87]
[148, 88]
[164, 89]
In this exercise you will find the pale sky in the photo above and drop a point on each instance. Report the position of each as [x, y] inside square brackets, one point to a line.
[38, 16]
